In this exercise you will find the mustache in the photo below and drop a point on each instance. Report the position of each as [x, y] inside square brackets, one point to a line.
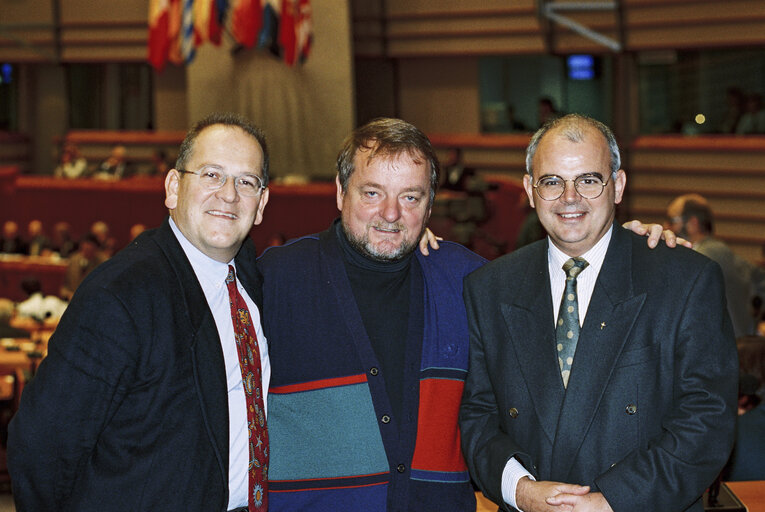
[389, 226]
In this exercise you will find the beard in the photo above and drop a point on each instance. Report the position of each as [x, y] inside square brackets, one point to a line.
[364, 246]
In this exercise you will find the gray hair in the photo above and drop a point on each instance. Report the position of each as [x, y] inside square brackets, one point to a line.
[572, 126]
[387, 137]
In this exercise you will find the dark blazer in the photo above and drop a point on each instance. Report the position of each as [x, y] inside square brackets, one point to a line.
[649, 413]
[129, 410]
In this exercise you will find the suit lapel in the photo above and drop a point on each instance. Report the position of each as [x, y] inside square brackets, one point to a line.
[611, 315]
[206, 352]
[529, 321]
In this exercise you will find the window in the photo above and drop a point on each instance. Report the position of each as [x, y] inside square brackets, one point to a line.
[709, 91]
[517, 92]
[110, 96]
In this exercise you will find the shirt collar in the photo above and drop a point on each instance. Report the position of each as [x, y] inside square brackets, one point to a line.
[594, 256]
[206, 269]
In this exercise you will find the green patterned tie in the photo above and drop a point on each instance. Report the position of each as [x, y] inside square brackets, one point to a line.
[567, 330]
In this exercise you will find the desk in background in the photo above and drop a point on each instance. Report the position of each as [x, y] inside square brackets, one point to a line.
[15, 268]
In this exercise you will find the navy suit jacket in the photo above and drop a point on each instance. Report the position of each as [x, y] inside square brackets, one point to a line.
[129, 410]
[649, 413]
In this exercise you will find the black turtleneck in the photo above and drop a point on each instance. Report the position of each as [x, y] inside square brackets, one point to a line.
[382, 291]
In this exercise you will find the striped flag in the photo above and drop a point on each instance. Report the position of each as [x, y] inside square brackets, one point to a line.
[188, 49]
[304, 29]
[159, 42]
[174, 31]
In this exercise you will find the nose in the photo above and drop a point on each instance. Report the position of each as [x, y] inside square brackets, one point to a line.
[570, 195]
[228, 191]
[391, 210]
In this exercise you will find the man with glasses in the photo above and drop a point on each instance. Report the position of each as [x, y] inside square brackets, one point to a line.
[152, 396]
[603, 375]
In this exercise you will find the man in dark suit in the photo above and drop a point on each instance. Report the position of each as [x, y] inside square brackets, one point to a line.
[139, 404]
[611, 384]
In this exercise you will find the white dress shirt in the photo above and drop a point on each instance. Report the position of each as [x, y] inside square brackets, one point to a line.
[585, 285]
[212, 275]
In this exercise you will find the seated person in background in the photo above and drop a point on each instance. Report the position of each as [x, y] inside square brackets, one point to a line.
[62, 242]
[753, 118]
[37, 243]
[748, 459]
[135, 230]
[71, 163]
[115, 166]
[106, 243]
[6, 313]
[37, 305]
[691, 217]
[160, 163]
[11, 242]
[81, 263]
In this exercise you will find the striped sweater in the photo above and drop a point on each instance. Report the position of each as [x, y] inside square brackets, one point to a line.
[334, 444]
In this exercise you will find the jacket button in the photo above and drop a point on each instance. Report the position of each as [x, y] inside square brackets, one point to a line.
[374, 371]
[513, 412]
[385, 418]
[631, 409]
[400, 468]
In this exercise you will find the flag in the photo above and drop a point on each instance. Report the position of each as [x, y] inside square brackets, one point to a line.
[304, 29]
[246, 21]
[217, 17]
[287, 39]
[159, 42]
[188, 49]
[202, 14]
[269, 34]
[175, 15]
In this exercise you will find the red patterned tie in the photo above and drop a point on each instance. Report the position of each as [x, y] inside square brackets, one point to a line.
[249, 362]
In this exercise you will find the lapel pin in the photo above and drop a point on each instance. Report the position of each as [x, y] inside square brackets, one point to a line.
[602, 324]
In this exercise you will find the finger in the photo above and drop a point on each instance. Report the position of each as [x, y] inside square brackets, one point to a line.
[685, 243]
[636, 227]
[654, 235]
[670, 238]
[562, 499]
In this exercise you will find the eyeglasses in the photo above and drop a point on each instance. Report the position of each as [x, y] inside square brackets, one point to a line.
[589, 186]
[248, 185]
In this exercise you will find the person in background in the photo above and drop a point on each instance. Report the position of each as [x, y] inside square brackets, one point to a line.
[81, 263]
[151, 396]
[11, 241]
[753, 119]
[603, 374]
[6, 314]
[115, 166]
[38, 306]
[106, 243]
[734, 109]
[748, 459]
[62, 242]
[71, 164]
[37, 243]
[691, 217]
[546, 110]
[135, 230]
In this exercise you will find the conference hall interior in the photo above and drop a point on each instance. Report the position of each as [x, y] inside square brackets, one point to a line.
[96, 97]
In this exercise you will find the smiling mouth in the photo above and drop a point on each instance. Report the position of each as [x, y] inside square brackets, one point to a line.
[569, 216]
[218, 213]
